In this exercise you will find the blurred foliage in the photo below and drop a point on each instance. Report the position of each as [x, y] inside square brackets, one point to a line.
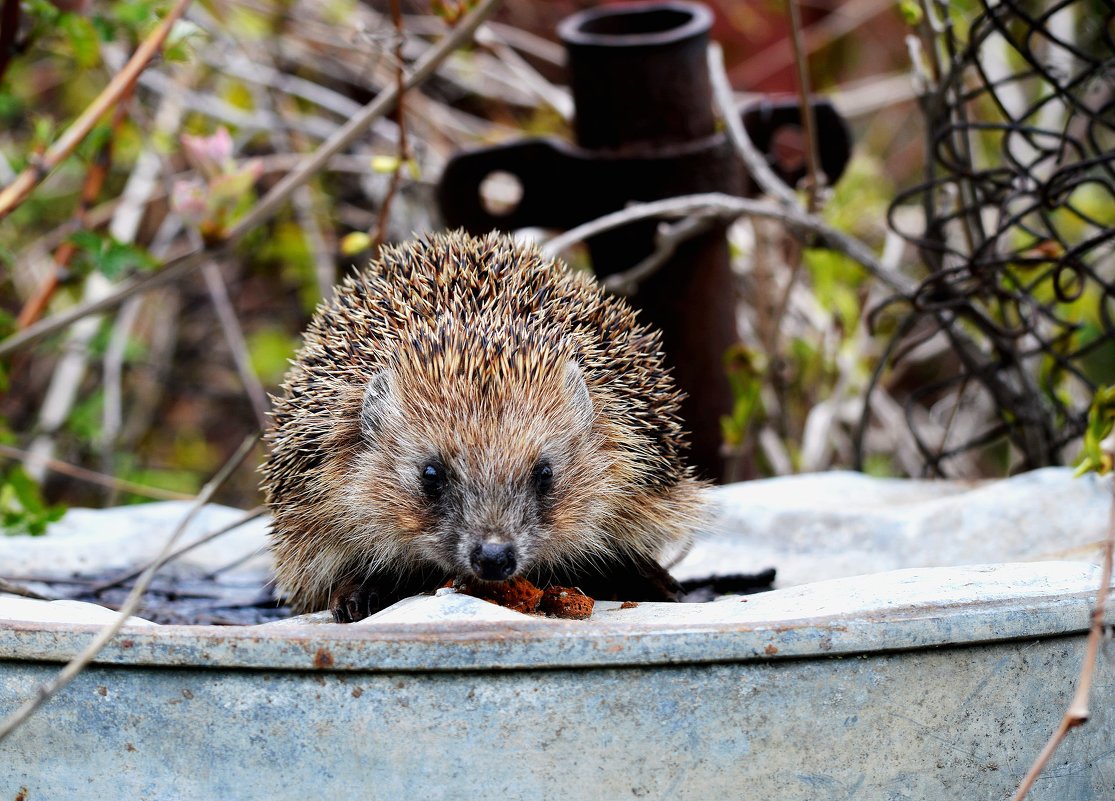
[22, 508]
[107, 256]
[745, 376]
[184, 407]
[271, 350]
[1098, 451]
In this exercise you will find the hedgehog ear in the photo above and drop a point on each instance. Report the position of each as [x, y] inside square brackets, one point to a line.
[578, 393]
[377, 396]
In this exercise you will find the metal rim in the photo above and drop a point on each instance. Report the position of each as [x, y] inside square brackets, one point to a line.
[547, 644]
[636, 25]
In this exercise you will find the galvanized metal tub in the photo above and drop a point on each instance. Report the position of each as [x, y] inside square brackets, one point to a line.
[923, 683]
[942, 698]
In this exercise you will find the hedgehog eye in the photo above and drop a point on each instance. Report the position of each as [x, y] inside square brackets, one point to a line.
[433, 480]
[543, 478]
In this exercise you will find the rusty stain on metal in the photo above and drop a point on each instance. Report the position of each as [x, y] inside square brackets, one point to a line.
[323, 659]
[645, 130]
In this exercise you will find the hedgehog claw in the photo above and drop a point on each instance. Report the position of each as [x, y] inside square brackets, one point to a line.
[352, 602]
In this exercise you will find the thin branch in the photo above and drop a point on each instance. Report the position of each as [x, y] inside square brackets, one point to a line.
[270, 164]
[721, 206]
[66, 378]
[842, 20]
[556, 98]
[159, 562]
[271, 203]
[402, 153]
[93, 477]
[46, 691]
[754, 160]
[667, 239]
[325, 269]
[18, 589]
[112, 383]
[1077, 713]
[815, 177]
[380, 105]
[17, 191]
[234, 337]
[90, 191]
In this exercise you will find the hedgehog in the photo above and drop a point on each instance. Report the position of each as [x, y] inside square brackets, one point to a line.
[468, 409]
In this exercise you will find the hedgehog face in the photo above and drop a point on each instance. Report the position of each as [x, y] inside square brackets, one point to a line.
[488, 481]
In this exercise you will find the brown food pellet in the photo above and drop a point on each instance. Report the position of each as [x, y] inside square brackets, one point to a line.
[628, 605]
[566, 602]
[518, 594]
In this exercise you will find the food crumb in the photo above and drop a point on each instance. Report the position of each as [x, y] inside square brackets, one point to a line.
[518, 594]
[566, 602]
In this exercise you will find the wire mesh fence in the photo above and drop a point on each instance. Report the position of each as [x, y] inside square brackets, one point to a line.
[1019, 228]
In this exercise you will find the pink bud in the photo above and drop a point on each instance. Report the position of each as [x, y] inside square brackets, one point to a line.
[209, 155]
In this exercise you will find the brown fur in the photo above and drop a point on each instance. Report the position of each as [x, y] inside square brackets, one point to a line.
[481, 354]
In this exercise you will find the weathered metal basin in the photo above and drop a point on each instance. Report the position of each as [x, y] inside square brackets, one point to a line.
[919, 683]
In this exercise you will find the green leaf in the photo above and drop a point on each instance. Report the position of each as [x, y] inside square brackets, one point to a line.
[119, 257]
[12, 108]
[225, 190]
[110, 257]
[1101, 423]
[385, 164]
[106, 28]
[83, 39]
[95, 141]
[26, 491]
[356, 242]
[270, 350]
[134, 13]
[7, 323]
[22, 508]
[42, 132]
[910, 11]
[42, 11]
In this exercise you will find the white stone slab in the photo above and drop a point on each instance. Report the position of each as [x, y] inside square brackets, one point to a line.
[828, 525]
[30, 610]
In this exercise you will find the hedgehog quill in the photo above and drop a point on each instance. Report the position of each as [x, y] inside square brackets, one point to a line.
[466, 408]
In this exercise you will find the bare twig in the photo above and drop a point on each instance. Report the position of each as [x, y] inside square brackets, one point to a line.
[812, 163]
[158, 563]
[721, 206]
[843, 19]
[380, 105]
[667, 239]
[270, 204]
[90, 191]
[46, 691]
[93, 477]
[1077, 714]
[755, 161]
[325, 269]
[556, 98]
[118, 87]
[18, 589]
[112, 382]
[234, 336]
[402, 153]
[66, 379]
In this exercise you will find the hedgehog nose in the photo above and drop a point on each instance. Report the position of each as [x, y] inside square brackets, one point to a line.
[493, 561]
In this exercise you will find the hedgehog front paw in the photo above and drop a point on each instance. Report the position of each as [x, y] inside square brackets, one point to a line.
[354, 601]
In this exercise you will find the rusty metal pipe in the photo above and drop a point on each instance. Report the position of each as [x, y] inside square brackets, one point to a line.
[645, 130]
[639, 78]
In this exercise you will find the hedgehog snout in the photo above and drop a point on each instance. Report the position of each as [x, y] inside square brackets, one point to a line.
[493, 561]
